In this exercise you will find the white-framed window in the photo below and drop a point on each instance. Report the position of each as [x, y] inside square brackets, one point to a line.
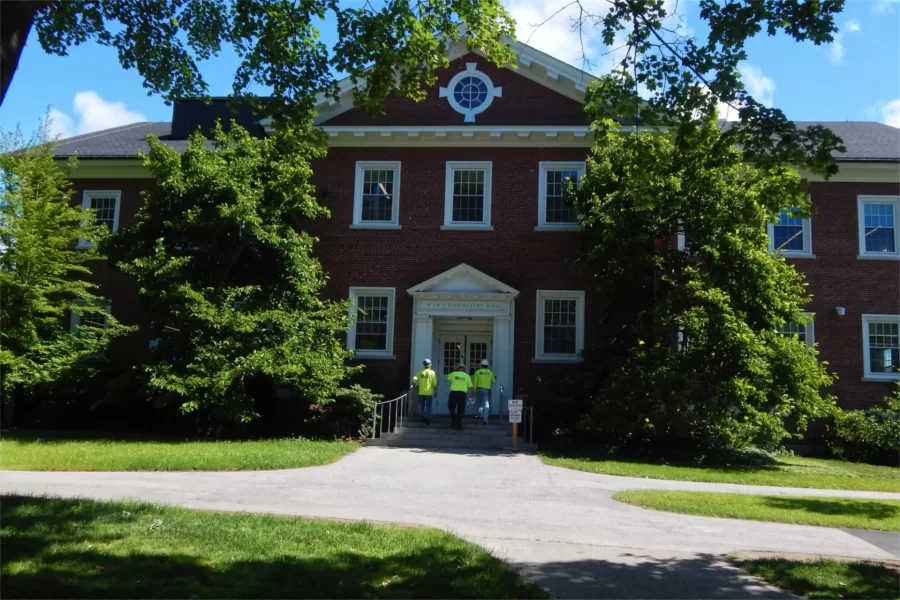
[470, 92]
[805, 332]
[559, 330]
[94, 315]
[105, 204]
[371, 333]
[376, 196]
[879, 226]
[554, 209]
[791, 235]
[881, 346]
[467, 197]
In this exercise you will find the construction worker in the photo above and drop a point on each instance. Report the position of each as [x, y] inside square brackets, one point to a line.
[460, 384]
[428, 382]
[484, 381]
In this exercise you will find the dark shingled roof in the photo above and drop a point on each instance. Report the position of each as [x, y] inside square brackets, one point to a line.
[865, 141]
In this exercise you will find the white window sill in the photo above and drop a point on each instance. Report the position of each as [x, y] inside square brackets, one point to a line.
[365, 356]
[879, 257]
[558, 228]
[560, 360]
[797, 255]
[459, 227]
[375, 226]
[881, 378]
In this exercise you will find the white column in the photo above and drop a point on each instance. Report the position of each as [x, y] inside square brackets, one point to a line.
[422, 335]
[503, 357]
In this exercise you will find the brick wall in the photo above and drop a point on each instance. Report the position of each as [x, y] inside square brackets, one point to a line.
[524, 102]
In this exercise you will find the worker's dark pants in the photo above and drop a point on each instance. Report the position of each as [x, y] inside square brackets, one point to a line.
[457, 405]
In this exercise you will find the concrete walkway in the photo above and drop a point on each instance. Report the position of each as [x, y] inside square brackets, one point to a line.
[560, 527]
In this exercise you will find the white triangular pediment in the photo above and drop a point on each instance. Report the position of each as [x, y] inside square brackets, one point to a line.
[463, 279]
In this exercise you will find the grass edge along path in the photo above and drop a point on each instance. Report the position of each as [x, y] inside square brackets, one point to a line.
[826, 578]
[75, 548]
[59, 451]
[883, 515]
[791, 471]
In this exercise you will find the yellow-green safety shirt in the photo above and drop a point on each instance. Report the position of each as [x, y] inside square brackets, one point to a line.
[459, 381]
[427, 380]
[484, 378]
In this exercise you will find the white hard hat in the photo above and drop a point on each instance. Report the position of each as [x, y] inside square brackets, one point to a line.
[484, 362]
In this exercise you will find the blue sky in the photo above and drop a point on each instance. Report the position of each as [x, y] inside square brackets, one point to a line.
[856, 78]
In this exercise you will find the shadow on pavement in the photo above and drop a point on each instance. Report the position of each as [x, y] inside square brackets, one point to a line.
[637, 576]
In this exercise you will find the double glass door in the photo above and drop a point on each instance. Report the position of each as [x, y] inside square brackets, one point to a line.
[454, 349]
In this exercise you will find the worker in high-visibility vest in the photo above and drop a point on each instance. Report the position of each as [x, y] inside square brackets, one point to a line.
[484, 381]
[460, 384]
[428, 382]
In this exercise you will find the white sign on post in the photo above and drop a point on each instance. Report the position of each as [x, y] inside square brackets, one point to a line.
[515, 405]
[515, 416]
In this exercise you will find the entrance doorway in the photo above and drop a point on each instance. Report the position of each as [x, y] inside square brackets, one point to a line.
[455, 346]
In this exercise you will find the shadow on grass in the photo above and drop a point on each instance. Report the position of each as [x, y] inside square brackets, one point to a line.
[98, 437]
[45, 555]
[828, 579]
[870, 509]
[771, 465]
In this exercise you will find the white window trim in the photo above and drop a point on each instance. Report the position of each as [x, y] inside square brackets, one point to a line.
[807, 241]
[385, 165]
[861, 223]
[810, 329]
[546, 166]
[471, 70]
[578, 296]
[456, 165]
[86, 205]
[867, 374]
[75, 318]
[357, 291]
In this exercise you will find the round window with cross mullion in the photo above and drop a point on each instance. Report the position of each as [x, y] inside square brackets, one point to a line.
[470, 92]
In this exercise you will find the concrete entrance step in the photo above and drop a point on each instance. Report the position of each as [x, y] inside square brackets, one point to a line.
[459, 444]
[465, 431]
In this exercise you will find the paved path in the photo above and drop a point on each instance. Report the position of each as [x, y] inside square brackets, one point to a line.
[558, 526]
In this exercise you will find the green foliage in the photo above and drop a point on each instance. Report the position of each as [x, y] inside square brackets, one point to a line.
[870, 436]
[279, 45]
[351, 412]
[46, 246]
[227, 274]
[736, 382]
[682, 77]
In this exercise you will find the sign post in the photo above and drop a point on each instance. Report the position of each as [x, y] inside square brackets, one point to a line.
[515, 417]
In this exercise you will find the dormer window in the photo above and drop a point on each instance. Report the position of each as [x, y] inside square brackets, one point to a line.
[470, 92]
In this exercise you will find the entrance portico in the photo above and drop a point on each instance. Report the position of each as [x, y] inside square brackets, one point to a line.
[462, 316]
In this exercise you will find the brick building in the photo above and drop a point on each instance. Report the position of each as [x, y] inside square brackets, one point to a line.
[417, 242]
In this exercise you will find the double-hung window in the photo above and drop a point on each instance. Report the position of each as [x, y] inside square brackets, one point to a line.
[879, 229]
[805, 332]
[881, 346]
[105, 204]
[467, 197]
[555, 210]
[371, 333]
[791, 235]
[376, 197]
[92, 315]
[560, 325]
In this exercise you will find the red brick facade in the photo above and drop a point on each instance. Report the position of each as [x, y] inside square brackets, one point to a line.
[514, 252]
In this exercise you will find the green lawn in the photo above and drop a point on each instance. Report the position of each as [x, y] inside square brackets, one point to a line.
[792, 471]
[55, 548]
[827, 578]
[825, 512]
[46, 451]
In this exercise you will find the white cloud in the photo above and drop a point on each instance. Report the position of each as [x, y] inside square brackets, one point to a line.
[549, 26]
[92, 113]
[758, 85]
[890, 113]
[60, 125]
[883, 6]
[836, 49]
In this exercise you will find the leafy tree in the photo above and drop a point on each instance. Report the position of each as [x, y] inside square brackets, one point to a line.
[697, 358]
[227, 274]
[46, 246]
[277, 41]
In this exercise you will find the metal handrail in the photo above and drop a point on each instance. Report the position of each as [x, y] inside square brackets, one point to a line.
[398, 408]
